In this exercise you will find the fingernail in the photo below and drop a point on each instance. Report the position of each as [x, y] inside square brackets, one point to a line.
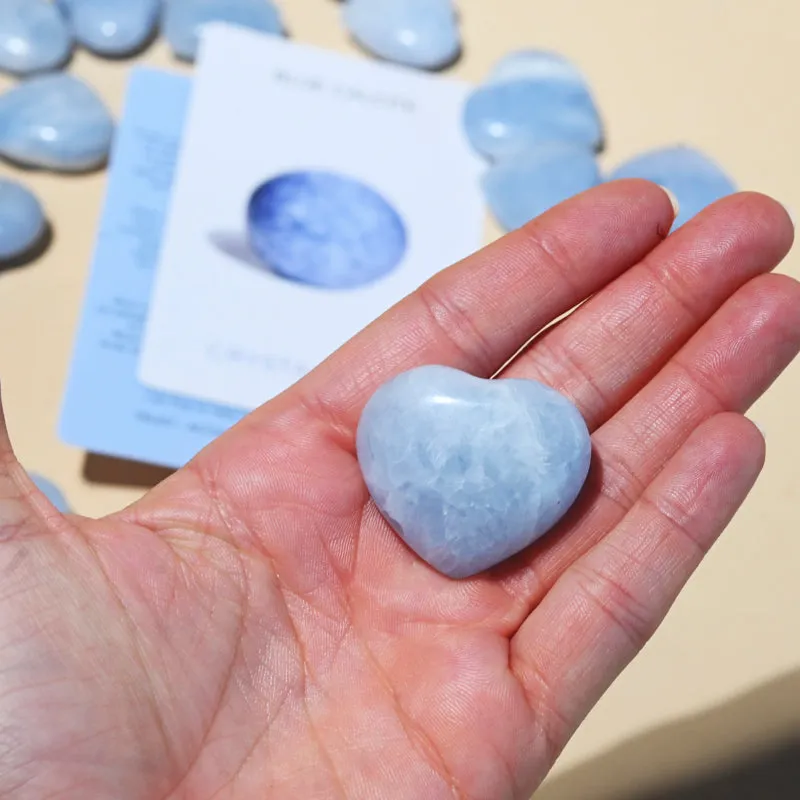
[791, 214]
[760, 429]
[676, 206]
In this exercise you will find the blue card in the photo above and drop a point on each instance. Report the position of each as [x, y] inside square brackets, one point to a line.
[106, 410]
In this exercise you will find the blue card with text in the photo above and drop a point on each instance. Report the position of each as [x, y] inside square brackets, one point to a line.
[106, 410]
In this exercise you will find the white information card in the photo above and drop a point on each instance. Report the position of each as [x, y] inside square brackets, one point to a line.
[313, 191]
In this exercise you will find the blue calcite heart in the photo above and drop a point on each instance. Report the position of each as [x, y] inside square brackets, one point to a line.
[694, 179]
[51, 492]
[56, 122]
[522, 187]
[22, 221]
[417, 33]
[34, 37]
[470, 471]
[112, 27]
[325, 229]
[504, 118]
[183, 19]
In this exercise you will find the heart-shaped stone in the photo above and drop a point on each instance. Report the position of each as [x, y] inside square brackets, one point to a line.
[694, 179]
[183, 20]
[51, 492]
[112, 27]
[34, 37]
[522, 187]
[417, 33]
[471, 471]
[55, 122]
[505, 118]
[22, 220]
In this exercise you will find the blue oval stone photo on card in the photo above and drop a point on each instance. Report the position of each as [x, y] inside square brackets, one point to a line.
[325, 229]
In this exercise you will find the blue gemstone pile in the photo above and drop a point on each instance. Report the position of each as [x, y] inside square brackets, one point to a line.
[535, 120]
[55, 121]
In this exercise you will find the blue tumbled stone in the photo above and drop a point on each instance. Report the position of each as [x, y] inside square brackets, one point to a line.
[22, 221]
[520, 188]
[694, 179]
[51, 492]
[471, 471]
[183, 19]
[112, 27]
[417, 33]
[325, 229]
[539, 65]
[56, 122]
[34, 37]
[504, 118]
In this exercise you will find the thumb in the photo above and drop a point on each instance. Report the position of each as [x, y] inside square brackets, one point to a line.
[25, 509]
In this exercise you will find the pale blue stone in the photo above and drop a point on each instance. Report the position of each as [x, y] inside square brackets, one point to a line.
[539, 65]
[694, 179]
[51, 492]
[506, 118]
[470, 471]
[34, 37]
[22, 220]
[56, 122]
[417, 33]
[112, 27]
[183, 19]
[520, 188]
[325, 229]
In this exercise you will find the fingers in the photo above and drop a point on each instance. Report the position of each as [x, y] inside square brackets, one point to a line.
[479, 313]
[608, 604]
[725, 367]
[617, 341]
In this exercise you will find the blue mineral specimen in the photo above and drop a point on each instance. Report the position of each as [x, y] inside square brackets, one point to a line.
[470, 471]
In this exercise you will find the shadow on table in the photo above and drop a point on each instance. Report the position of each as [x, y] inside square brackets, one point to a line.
[120, 472]
[772, 776]
[748, 749]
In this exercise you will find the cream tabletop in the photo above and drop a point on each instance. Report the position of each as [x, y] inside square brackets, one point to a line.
[723, 672]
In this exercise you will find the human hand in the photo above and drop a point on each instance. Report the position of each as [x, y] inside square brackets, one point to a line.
[252, 628]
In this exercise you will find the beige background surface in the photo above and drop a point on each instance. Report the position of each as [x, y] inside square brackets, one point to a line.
[723, 674]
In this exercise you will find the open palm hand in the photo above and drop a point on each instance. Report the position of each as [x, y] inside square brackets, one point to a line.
[252, 628]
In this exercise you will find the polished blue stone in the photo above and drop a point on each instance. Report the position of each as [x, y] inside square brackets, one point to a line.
[325, 229]
[34, 37]
[417, 33]
[539, 65]
[470, 471]
[112, 27]
[694, 179]
[56, 122]
[520, 188]
[507, 117]
[51, 492]
[183, 19]
[22, 221]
